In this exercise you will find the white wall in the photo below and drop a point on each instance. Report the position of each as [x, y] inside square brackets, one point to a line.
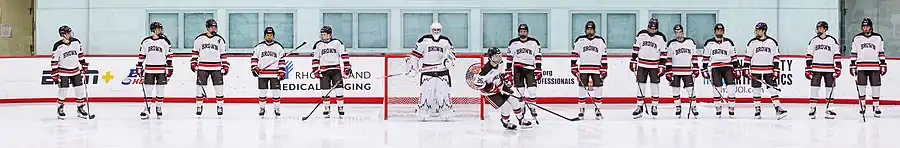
[116, 26]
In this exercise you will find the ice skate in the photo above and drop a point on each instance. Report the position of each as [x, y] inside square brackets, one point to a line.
[159, 112]
[199, 110]
[581, 113]
[829, 113]
[731, 111]
[262, 111]
[812, 112]
[719, 111]
[445, 112]
[327, 112]
[524, 123]
[780, 112]
[876, 110]
[758, 113]
[678, 112]
[598, 114]
[145, 114]
[277, 112]
[693, 110]
[653, 111]
[84, 114]
[506, 124]
[219, 110]
[341, 112]
[638, 111]
[60, 113]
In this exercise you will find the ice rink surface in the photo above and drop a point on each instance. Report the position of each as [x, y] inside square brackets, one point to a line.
[118, 126]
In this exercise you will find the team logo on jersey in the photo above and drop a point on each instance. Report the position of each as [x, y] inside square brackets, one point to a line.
[719, 52]
[763, 49]
[210, 46]
[867, 45]
[823, 47]
[648, 44]
[682, 51]
[523, 51]
[590, 49]
[92, 77]
[154, 49]
[329, 50]
[435, 49]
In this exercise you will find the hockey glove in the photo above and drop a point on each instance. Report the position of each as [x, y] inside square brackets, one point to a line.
[225, 70]
[696, 73]
[169, 72]
[255, 71]
[633, 66]
[883, 70]
[538, 74]
[808, 73]
[747, 73]
[736, 73]
[705, 73]
[837, 73]
[347, 71]
[281, 75]
[316, 73]
[84, 69]
[603, 74]
[139, 71]
[509, 78]
[575, 72]
[55, 77]
[853, 71]
[670, 76]
[194, 67]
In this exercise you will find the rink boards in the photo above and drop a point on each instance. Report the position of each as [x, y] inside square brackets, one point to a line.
[112, 79]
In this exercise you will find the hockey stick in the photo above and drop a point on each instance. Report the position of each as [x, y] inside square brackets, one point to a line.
[589, 95]
[87, 100]
[147, 104]
[691, 103]
[862, 103]
[643, 104]
[551, 112]
[522, 98]
[285, 55]
[764, 83]
[320, 101]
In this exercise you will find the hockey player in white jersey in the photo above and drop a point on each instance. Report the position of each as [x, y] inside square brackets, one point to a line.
[721, 65]
[868, 64]
[328, 56]
[68, 68]
[682, 65]
[431, 58]
[499, 94]
[209, 61]
[155, 67]
[761, 64]
[523, 65]
[269, 75]
[589, 65]
[823, 63]
[648, 61]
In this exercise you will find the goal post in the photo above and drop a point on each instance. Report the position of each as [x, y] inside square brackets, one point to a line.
[401, 93]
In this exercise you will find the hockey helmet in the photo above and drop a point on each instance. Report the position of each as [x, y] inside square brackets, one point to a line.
[64, 29]
[211, 23]
[762, 25]
[325, 29]
[867, 22]
[590, 24]
[523, 27]
[822, 24]
[719, 26]
[653, 24]
[677, 27]
[155, 25]
[269, 30]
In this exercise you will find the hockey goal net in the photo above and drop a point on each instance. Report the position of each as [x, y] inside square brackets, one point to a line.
[402, 91]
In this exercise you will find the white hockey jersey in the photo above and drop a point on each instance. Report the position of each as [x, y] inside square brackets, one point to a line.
[209, 52]
[683, 56]
[67, 59]
[762, 55]
[649, 49]
[431, 53]
[867, 52]
[270, 55]
[524, 54]
[329, 54]
[589, 55]
[823, 54]
[155, 55]
[719, 54]
[491, 78]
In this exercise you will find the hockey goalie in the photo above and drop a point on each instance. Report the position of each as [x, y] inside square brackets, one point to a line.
[431, 59]
[488, 80]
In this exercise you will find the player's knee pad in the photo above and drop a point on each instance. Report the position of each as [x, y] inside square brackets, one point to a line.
[79, 92]
[148, 90]
[62, 93]
[676, 91]
[731, 91]
[160, 90]
[876, 91]
[263, 93]
[201, 91]
[582, 93]
[757, 92]
[654, 89]
[276, 93]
